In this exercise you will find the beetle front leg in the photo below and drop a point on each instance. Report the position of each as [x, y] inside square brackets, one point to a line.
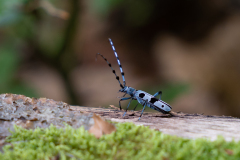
[123, 99]
[127, 106]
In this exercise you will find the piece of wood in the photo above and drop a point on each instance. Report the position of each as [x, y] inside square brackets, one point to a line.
[185, 125]
[31, 113]
[41, 112]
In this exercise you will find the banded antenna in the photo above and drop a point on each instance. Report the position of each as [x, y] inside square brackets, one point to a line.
[109, 64]
[120, 66]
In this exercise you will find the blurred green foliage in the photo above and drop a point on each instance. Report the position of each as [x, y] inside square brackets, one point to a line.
[9, 83]
[137, 13]
[37, 30]
[15, 25]
[10, 11]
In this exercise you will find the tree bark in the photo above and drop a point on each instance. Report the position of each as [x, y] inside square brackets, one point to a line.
[190, 126]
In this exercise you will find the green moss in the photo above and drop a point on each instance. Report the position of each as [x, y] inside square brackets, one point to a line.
[129, 142]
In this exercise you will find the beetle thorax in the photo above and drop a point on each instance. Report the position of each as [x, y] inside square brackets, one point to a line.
[128, 90]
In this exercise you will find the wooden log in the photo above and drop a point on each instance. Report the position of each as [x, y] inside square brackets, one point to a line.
[32, 113]
[184, 125]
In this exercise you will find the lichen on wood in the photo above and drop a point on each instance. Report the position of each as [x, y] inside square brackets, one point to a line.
[31, 113]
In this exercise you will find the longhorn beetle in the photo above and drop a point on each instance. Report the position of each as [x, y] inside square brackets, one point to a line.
[142, 97]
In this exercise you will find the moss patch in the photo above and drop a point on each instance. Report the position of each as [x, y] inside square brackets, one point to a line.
[129, 142]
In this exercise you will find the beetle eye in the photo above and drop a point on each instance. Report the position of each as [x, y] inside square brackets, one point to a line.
[162, 106]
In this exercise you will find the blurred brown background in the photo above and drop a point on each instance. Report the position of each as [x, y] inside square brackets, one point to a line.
[188, 49]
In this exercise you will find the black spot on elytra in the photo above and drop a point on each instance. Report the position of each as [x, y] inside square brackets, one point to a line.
[162, 106]
[109, 65]
[117, 78]
[141, 95]
[153, 100]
